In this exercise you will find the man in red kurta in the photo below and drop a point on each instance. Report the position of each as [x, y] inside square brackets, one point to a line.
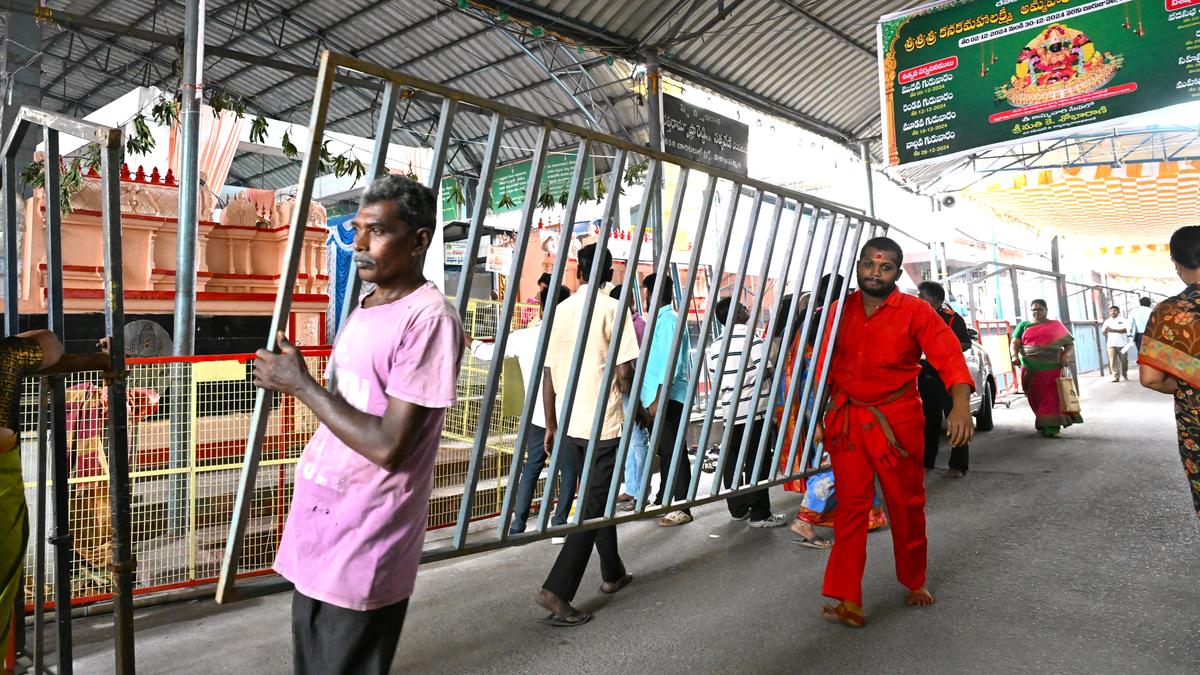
[874, 426]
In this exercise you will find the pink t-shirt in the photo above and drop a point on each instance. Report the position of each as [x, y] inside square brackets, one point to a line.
[354, 534]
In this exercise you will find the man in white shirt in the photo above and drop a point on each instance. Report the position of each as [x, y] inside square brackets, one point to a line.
[1116, 331]
[521, 345]
[1138, 319]
[743, 344]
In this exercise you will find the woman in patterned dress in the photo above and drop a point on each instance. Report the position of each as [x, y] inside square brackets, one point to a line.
[20, 355]
[1042, 348]
[1170, 353]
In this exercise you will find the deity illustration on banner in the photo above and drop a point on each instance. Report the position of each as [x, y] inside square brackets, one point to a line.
[1059, 63]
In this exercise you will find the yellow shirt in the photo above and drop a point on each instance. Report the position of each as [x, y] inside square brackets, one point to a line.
[561, 351]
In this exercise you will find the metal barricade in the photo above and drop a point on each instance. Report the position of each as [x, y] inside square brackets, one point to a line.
[51, 401]
[785, 235]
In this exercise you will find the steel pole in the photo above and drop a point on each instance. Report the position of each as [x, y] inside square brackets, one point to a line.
[189, 180]
[865, 149]
[654, 126]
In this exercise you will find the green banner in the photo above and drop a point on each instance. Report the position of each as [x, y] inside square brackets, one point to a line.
[511, 181]
[971, 74]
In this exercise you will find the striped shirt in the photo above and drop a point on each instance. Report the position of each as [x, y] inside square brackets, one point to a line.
[724, 380]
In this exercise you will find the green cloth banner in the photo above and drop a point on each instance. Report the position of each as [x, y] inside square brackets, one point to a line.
[513, 180]
[968, 74]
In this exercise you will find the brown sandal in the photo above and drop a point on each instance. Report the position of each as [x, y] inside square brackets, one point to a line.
[840, 614]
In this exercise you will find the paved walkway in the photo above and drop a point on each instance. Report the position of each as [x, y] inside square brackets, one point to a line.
[1075, 555]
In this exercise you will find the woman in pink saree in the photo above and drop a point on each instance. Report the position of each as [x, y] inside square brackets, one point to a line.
[1044, 346]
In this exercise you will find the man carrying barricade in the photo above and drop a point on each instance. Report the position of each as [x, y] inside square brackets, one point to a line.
[873, 424]
[354, 533]
[558, 591]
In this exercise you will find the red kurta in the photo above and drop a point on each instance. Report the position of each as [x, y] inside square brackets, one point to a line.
[873, 378]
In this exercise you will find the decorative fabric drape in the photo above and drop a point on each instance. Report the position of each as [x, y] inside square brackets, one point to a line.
[219, 136]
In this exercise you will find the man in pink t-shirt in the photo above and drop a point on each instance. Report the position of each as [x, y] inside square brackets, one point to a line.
[353, 537]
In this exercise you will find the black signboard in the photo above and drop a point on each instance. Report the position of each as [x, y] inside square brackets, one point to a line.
[704, 136]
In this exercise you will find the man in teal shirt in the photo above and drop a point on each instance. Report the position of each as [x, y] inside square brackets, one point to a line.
[670, 401]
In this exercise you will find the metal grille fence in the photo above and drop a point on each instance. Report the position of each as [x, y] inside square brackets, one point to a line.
[182, 509]
[763, 235]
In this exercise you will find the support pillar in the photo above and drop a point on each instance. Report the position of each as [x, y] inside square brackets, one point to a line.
[654, 125]
[1064, 309]
[21, 70]
[185, 261]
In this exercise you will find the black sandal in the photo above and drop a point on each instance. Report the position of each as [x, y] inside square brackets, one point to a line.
[570, 620]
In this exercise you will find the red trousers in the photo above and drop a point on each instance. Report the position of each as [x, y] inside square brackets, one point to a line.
[859, 452]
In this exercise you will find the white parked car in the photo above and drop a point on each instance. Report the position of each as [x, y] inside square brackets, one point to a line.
[984, 397]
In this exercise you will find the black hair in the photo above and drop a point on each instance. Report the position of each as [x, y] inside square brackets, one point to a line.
[1146, 302]
[838, 282]
[668, 288]
[1115, 307]
[785, 308]
[934, 290]
[415, 203]
[545, 279]
[587, 256]
[886, 245]
[1185, 246]
[563, 294]
[725, 306]
[608, 275]
[1041, 302]
[615, 293]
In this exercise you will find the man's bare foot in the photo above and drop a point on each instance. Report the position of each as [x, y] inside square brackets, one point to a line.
[919, 598]
[562, 614]
[846, 613]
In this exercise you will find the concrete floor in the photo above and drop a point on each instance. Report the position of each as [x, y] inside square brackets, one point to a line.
[1075, 555]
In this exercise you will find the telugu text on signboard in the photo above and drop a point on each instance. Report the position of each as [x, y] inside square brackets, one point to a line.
[704, 136]
[961, 76]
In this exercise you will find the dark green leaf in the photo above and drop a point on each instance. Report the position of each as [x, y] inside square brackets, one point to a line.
[289, 150]
[258, 129]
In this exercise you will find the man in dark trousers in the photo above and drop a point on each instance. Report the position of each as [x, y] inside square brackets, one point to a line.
[935, 400]
[558, 591]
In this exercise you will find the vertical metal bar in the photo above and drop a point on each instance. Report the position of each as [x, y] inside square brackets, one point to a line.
[526, 228]
[865, 153]
[383, 139]
[639, 373]
[39, 532]
[12, 265]
[654, 128]
[610, 364]
[735, 193]
[790, 250]
[189, 180]
[486, 171]
[120, 489]
[814, 380]
[790, 332]
[799, 390]
[723, 355]
[1016, 291]
[581, 339]
[441, 143]
[279, 317]
[533, 387]
[491, 388]
[851, 256]
[739, 380]
[58, 420]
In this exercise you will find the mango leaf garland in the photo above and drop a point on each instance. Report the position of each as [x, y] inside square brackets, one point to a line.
[289, 149]
[506, 202]
[258, 129]
[165, 111]
[142, 140]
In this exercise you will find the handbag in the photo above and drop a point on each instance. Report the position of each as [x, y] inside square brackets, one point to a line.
[1068, 396]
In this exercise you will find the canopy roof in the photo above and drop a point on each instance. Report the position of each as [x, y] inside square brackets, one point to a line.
[809, 63]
